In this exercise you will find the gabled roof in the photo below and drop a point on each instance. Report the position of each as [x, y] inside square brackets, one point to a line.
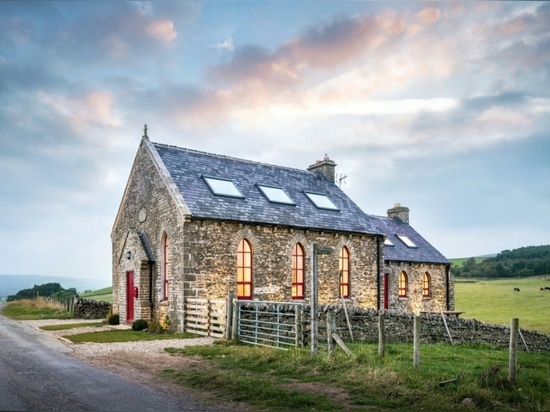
[422, 251]
[189, 168]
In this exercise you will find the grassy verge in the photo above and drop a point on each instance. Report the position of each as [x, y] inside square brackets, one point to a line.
[276, 380]
[72, 326]
[39, 308]
[125, 336]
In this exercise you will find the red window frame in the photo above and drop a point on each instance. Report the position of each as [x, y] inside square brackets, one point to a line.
[426, 281]
[244, 270]
[165, 267]
[344, 270]
[403, 285]
[298, 289]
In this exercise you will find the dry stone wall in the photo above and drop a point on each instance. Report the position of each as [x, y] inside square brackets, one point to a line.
[399, 327]
[91, 309]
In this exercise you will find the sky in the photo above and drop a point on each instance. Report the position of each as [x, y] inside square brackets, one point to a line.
[443, 107]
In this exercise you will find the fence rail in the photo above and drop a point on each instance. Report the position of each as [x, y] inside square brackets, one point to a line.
[205, 317]
[271, 324]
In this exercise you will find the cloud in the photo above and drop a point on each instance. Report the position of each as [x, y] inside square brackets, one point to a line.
[226, 44]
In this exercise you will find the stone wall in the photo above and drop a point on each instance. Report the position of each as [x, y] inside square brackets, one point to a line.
[211, 261]
[91, 309]
[415, 302]
[399, 328]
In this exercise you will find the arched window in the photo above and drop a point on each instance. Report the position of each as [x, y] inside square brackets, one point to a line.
[402, 285]
[426, 292]
[298, 272]
[165, 268]
[244, 270]
[343, 267]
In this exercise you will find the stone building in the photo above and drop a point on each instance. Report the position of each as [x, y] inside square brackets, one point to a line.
[198, 225]
[416, 277]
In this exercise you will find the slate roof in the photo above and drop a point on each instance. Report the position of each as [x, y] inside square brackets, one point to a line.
[187, 168]
[146, 246]
[423, 252]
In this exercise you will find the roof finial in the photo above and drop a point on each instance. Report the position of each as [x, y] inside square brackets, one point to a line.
[326, 157]
[145, 132]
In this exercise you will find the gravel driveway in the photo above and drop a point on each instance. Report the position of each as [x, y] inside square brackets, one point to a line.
[94, 350]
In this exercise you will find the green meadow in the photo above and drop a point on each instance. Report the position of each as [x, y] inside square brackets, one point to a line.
[103, 295]
[495, 301]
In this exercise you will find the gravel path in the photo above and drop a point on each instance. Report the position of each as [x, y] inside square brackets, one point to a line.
[93, 350]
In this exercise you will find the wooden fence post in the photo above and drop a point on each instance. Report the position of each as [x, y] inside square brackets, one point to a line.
[513, 356]
[228, 315]
[331, 328]
[299, 326]
[314, 302]
[235, 323]
[347, 319]
[381, 336]
[416, 342]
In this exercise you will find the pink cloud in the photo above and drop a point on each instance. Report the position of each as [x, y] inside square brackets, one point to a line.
[162, 30]
[429, 15]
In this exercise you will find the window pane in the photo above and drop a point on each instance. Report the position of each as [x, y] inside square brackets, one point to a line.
[222, 187]
[321, 201]
[247, 260]
[244, 270]
[408, 242]
[276, 194]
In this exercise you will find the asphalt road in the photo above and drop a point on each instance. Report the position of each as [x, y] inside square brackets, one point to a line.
[37, 375]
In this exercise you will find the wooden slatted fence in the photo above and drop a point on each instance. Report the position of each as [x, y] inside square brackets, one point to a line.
[205, 317]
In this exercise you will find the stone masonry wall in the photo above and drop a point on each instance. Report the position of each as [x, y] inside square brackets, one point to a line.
[91, 309]
[415, 302]
[211, 261]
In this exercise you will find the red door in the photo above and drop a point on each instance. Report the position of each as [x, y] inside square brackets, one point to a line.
[130, 296]
[386, 291]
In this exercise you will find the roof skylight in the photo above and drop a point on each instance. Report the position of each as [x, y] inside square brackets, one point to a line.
[321, 201]
[276, 195]
[388, 242]
[408, 242]
[222, 187]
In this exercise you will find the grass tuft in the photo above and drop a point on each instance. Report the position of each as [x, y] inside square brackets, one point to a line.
[33, 309]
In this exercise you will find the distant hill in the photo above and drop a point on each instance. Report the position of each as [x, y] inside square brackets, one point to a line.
[521, 262]
[11, 284]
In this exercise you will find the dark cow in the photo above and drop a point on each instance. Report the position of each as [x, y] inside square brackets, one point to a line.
[546, 288]
[516, 289]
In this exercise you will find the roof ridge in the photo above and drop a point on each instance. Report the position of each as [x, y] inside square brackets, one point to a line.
[232, 158]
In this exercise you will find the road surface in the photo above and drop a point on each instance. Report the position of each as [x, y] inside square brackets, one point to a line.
[37, 375]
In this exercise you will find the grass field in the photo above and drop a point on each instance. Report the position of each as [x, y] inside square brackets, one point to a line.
[294, 380]
[40, 308]
[103, 295]
[494, 301]
[459, 262]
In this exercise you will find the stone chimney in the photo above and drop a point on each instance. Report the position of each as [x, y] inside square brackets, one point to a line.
[325, 168]
[401, 212]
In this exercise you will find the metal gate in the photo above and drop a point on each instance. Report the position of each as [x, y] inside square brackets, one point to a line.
[270, 324]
